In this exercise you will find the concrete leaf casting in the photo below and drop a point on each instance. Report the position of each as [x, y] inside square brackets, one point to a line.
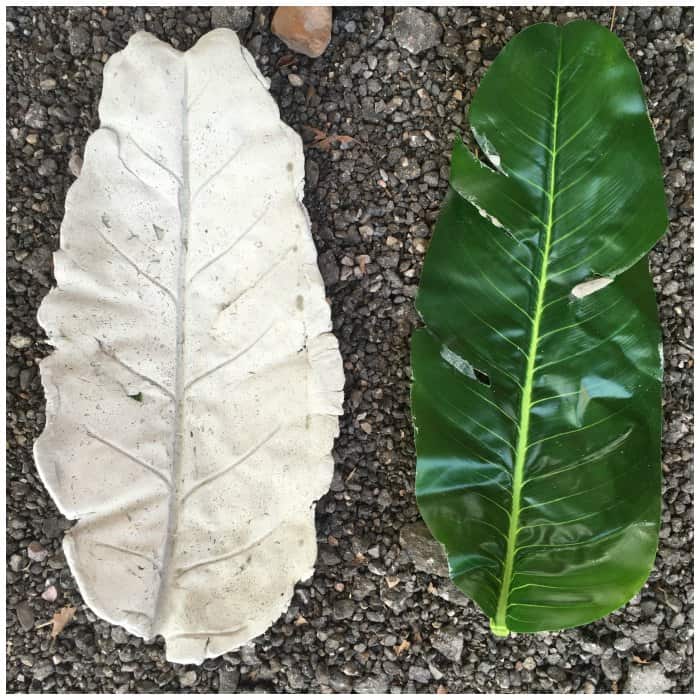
[193, 395]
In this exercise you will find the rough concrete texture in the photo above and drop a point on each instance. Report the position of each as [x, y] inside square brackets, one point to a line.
[369, 619]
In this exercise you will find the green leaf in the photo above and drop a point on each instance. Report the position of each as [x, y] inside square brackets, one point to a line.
[537, 384]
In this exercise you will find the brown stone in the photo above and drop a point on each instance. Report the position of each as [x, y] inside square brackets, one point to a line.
[305, 30]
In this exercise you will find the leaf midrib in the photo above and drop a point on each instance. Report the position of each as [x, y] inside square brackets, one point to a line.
[172, 524]
[498, 624]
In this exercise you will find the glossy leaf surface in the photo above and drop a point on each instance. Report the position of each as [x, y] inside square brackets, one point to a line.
[537, 379]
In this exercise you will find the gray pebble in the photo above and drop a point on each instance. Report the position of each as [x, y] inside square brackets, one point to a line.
[36, 116]
[340, 682]
[329, 268]
[312, 173]
[656, 23]
[395, 599]
[36, 552]
[623, 644]
[343, 609]
[48, 167]
[419, 674]
[677, 179]
[25, 616]
[611, 666]
[25, 376]
[670, 660]
[228, 680]
[416, 30]
[236, 18]
[449, 642]
[187, 679]
[647, 679]
[645, 634]
[78, 40]
[371, 684]
[42, 670]
[75, 164]
[119, 635]
[677, 621]
[407, 169]
[423, 550]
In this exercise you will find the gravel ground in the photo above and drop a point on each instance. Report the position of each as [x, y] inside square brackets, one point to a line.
[371, 618]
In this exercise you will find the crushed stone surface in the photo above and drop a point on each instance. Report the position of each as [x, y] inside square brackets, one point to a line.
[368, 619]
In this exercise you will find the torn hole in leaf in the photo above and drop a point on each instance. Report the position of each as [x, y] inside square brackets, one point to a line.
[489, 150]
[464, 367]
[589, 286]
[459, 363]
[482, 377]
[484, 214]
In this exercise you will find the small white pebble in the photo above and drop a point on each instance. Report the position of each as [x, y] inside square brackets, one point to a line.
[529, 664]
[20, 342]
[50, 594]
[295, 80]
[188, 679]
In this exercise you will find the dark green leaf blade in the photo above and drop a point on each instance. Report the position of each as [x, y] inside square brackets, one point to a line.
[538, 410]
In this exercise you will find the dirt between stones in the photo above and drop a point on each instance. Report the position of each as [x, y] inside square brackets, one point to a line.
[372, 618]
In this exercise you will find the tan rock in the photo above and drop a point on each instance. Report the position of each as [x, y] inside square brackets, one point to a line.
[305, 30]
